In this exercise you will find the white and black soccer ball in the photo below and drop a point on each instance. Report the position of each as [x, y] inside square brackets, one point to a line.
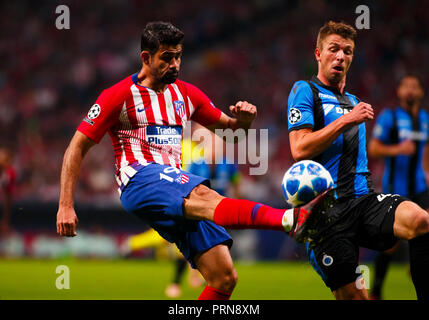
[304, 181]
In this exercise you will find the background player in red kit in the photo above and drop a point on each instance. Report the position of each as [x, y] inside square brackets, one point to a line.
[7, 186]
[144, 115]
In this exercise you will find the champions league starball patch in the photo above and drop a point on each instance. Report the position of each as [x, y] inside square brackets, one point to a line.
[93, 113]
[294, 115]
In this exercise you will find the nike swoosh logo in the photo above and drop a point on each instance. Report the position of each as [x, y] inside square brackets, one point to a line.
[139, 109]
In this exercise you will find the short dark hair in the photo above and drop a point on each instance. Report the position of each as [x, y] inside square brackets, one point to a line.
[159, 33]
[340, 28]
[411, 75]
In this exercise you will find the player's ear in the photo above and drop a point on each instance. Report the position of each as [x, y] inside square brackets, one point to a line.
[145, 56]
[317, 53]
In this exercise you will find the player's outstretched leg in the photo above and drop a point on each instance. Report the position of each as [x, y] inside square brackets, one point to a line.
[205, 203]
[217, 268]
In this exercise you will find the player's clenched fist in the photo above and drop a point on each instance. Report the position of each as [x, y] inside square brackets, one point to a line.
[360, 113]
[243, 111]
[66, 222]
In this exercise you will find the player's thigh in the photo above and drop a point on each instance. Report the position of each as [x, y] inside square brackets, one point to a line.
[157, 192]
[216, 264]
[201, 203]
[377, 219]
[410, 221]
[335, 259]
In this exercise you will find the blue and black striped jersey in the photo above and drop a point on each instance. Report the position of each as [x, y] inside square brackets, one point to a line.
[312, 104]
[403, 174]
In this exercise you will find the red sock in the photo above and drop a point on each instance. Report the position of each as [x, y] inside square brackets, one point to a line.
[245, 214]
[210, 293]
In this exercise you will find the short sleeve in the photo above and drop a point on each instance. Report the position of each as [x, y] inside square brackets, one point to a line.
[300, 107]
[383, 126]
[205, 112]
[101, 116]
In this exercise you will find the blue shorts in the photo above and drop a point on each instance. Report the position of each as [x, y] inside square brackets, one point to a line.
[155, 195]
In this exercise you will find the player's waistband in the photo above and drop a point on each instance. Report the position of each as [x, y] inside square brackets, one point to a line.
[126, 173]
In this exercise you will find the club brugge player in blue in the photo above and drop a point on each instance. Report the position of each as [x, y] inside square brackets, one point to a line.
[327, 124]
[400, 136]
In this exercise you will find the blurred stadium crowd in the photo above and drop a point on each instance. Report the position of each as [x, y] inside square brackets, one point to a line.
[249, 50]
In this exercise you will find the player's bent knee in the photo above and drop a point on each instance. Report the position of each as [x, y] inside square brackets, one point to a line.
[420, 225]
[204, 192]
[201, 203]
[225, 280]
[228, 280]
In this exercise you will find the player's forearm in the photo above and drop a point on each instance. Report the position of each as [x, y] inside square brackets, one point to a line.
[313, 143]
[69, 176]
[76, 151]
[380, 150]
[239, 128]
[236, 124]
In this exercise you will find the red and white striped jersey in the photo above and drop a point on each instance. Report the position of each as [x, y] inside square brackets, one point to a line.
[145, 126]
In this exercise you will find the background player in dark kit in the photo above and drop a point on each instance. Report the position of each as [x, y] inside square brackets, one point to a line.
[400, 136]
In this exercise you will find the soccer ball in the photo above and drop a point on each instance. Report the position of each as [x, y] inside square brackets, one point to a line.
[304, 181]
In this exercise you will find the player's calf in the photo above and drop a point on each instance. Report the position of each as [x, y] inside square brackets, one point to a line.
[350, 292]
[218, 270]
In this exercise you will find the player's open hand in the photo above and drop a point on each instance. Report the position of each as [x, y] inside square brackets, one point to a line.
[360, 113]
[243, 111]
[66, 222]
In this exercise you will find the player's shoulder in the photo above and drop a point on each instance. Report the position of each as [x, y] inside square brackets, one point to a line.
[186, 86]
[125, 83]
[301, 86]
[300, 93]
[118, 91]
[387, 113]
[425, 113]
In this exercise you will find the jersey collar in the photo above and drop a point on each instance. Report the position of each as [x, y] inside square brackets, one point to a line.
[316, 80]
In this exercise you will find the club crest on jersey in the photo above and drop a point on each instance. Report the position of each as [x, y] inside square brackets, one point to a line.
[179, 107]
[182, 179]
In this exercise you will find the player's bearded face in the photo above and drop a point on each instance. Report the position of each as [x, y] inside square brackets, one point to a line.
[335, 57]
[166, 63]
[410, 91]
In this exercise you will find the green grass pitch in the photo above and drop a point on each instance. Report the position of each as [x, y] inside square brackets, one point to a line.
[146, 279]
